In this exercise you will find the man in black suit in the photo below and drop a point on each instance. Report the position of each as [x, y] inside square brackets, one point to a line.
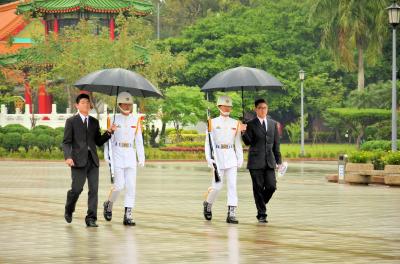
[261, 133]
[81, 135]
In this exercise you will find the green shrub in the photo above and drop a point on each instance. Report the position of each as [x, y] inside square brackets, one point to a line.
[170, 131]
[40, 130]
[393, 158]
[27, 140]
[377, 159]
[189, 131]
[58, 140]
[360, 157]
[3, 152]
[187, 138]
[59, 130]
[15, 128]
[380, 145]
[44, 142]
[12, 141]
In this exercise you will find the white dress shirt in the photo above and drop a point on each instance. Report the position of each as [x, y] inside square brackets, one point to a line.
[265, 121]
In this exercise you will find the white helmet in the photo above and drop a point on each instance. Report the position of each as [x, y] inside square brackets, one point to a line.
[224, 100]
[124, 98]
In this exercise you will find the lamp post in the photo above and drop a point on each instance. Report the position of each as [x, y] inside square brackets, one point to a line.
[394, 14]
[158, 20]
[301, 75]
[159, 2]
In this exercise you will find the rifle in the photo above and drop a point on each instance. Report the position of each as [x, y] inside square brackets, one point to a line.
[110, 154]
[211, 145]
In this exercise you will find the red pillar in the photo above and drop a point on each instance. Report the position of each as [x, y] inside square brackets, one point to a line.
[55, 25]
[49, 101]
[42, 99]
[112, 28]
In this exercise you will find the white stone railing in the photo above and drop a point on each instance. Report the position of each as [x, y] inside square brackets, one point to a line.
[53, 119]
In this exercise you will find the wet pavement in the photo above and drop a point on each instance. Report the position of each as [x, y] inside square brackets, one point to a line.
[310, 220]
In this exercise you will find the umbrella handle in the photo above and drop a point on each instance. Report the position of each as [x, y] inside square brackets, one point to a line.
[115, 107]
[242, 107]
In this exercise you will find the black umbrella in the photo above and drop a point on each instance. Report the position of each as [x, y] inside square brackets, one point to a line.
[114, 81]
[241, 78]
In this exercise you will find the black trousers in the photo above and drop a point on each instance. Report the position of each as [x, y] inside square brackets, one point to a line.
[79, 175]
[264, 186]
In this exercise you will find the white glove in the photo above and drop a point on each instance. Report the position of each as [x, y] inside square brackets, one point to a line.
[240, 164]
[210, 163]
[141, 164]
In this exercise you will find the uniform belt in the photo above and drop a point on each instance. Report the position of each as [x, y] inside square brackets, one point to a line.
[124, 144]
[224, 146]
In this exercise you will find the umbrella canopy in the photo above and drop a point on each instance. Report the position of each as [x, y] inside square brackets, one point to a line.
[241, 78]
[114, 81]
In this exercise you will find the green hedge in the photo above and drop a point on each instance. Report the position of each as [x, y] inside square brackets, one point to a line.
[380, 145]
[157, 154]
[172, 138]
[170, 131]
[378, 158]
[392, 158]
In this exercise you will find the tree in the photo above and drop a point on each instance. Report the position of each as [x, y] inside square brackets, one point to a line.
[376, 95]
[76, 52]
[12, 141]
[294, 130]
[178, 14]
[247, 36]
[44, 142]
[320, 92]
[349, 26]
[28, 140]
[356, 119]
[183, 106]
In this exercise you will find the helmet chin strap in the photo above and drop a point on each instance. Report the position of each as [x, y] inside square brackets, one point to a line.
[125, 112]
[224, 113]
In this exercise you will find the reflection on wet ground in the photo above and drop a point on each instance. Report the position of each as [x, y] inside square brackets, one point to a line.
[310, 220]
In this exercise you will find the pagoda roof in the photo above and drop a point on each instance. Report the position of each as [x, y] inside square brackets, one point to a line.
[141, 8]
[10, 23]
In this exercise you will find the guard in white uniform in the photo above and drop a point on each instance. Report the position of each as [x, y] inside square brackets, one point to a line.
[228, 153]
[126, 144]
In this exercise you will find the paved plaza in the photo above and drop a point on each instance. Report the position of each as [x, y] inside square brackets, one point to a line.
[310, 220]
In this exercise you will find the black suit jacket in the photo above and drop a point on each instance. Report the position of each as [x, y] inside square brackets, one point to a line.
[78, 141]
[264, 151]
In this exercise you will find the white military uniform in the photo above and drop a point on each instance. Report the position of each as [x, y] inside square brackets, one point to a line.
[127, 142]
[228, 153]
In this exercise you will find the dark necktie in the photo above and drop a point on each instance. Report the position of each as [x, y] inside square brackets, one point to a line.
[86, 123]
[263, 124]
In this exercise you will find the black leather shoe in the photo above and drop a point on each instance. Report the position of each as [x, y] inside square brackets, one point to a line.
[231, 220]
[91, 223]
[207, 211]
[129, 222]
[68, 217]
[262, 219]
[106, 212]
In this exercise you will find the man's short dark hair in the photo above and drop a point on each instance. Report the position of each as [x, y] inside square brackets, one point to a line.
[82, 96]
[260, 101]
